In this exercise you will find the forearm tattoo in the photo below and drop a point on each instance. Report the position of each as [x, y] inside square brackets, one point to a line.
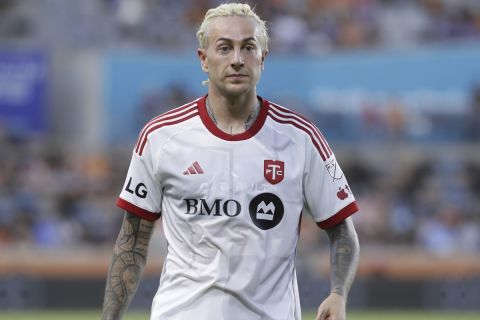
[344, 255]
[128, 260]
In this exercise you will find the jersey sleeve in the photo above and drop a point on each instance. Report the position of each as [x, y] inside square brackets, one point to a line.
[327, 195]
[141, 194]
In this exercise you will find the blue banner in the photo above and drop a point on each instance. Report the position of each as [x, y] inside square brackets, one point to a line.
[23, 81]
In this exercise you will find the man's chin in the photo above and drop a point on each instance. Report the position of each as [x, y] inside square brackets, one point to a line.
[238, 89]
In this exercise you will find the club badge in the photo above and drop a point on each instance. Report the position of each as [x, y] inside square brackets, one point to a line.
[273, 170]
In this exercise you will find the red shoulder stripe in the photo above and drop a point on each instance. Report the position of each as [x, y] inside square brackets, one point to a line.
[292, 115]
[163, 123]
[151, 124]
[301, 127]
[171, 114]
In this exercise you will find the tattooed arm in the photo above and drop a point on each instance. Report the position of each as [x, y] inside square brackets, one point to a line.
[128, 260]
[344, 255]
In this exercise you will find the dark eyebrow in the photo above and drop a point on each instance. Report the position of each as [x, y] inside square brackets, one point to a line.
[230, 40]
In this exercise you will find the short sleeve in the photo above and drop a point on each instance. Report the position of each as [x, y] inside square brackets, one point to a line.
[141, 194]
[327, 195]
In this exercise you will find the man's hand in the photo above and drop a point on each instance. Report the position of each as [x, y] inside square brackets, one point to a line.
[332, 308]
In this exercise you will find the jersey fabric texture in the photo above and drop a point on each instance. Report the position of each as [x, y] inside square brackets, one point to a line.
[231, 208]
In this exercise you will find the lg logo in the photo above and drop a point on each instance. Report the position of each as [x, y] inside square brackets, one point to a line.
[140, 190]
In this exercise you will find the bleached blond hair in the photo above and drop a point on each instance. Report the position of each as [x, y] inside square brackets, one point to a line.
[230, 10]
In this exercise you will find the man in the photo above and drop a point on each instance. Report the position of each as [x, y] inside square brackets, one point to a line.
[230, 174]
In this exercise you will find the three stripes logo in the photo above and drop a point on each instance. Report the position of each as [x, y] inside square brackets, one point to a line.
[194, 169]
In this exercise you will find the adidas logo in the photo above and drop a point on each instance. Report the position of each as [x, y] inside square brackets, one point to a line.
[194, 169]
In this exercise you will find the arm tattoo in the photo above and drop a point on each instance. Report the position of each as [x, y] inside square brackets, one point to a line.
[128, 260]
[344, 255]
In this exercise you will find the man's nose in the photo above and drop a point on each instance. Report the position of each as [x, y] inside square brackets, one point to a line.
[237, 59]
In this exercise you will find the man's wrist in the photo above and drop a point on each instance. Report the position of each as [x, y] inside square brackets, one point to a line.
[338, 295]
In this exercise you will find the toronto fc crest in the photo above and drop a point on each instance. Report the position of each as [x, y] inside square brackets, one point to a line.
[273, 171]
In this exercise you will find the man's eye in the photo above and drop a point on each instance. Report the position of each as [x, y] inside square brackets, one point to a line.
[250, 47]
[224, 49]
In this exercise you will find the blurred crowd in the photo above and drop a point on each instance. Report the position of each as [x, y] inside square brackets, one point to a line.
[49, 198]
[296, 26]
[430, 203]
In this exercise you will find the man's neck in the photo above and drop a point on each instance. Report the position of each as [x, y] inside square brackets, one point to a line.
[233, 115]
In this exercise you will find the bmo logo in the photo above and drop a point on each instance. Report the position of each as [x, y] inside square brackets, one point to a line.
[230, 208]
[266, 210]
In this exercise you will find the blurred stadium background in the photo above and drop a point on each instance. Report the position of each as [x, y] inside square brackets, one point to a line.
[393, 84]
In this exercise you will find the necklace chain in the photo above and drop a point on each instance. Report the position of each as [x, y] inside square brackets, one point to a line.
[248, 122]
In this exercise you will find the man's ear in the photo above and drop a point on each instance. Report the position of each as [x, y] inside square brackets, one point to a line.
[203, 59]
[264, 55]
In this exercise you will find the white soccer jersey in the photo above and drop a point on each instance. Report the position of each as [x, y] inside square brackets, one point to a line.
[230, 208]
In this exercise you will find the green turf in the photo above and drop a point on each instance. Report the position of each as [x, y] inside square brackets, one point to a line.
[354, 315]
[410, 315]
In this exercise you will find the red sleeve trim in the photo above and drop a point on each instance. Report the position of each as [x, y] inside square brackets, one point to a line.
[142, 213]
[339, 216]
